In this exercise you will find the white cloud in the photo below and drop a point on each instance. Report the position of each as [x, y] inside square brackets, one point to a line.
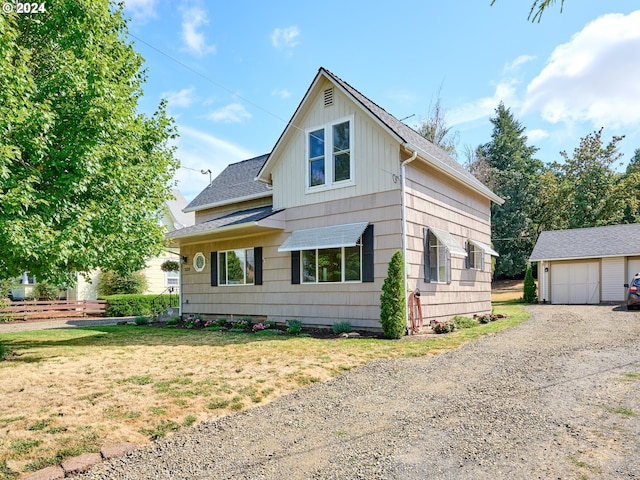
[282, 93]
[192, 19]
[593, 77]
[536, 134]
[198, 151]
[285, 37]
[505, 92]
[521, 60]
[183, 98]
[232, 113]
[142, 10]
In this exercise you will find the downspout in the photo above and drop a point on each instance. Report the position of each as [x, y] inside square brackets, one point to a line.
[404, 227]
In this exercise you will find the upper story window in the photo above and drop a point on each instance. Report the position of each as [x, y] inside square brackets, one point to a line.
[330, 155]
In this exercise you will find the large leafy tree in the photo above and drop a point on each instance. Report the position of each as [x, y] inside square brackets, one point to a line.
[588, 190]
[511, 170]
[82, 173]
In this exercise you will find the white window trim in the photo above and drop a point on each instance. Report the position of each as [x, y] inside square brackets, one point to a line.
[475, 251]
[343, 269]
[172, 275]
[204, 262]
[244, 271]
[328, 156]
[447, 259]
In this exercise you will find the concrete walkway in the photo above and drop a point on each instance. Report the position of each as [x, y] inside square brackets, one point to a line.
[47, 324]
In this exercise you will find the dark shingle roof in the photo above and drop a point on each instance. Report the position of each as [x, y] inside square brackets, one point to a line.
[407, 134]
[594, 242]
[234, 182]
[235, 218]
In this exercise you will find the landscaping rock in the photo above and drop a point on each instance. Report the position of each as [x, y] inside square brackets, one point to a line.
[49, 473]
[119, 450]
[81, 463]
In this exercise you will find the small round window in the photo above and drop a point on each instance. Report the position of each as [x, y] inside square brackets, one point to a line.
[199, 262]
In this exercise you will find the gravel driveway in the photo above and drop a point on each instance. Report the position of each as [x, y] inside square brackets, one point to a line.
[555, 397]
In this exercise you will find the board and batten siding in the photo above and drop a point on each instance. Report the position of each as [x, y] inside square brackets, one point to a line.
[277, 298]
[375, 155]
[434, 200]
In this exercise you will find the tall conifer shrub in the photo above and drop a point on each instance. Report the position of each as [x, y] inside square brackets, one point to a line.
[393, 301]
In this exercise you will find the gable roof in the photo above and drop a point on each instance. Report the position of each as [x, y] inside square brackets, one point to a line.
[409, 138]
[235, 183]
[175, 207]
[594, 242]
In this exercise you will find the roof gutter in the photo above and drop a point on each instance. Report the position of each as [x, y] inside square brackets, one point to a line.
[447, 170]
[230, 201]
[404, 229]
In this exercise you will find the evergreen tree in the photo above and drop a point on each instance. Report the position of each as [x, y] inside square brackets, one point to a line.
[513, 174]
[393, 299]
[529, 287]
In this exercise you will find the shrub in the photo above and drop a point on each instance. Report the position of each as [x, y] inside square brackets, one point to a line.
[112, 283]
[342, 327]
[529, 287]
[444, 326]
[46, 291]
[392, 300]
[141, 320]
[464, 322]
[294, 327]
[131, 305]
[484, 319]
[242, 324]
[174, 321]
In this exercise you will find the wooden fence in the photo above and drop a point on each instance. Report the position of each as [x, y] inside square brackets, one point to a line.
[52, 309]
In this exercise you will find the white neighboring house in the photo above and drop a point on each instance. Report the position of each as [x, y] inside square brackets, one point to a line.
[586, 265]
[173, 218]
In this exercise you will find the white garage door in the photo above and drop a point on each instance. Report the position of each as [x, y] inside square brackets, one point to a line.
[575, 283]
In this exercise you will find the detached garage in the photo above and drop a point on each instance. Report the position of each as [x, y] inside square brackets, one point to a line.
[587, 265]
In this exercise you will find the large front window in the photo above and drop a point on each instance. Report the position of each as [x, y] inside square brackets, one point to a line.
[332, 265]
[236, 267]
[329, 155]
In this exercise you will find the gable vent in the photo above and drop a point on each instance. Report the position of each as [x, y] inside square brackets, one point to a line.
[328, 97]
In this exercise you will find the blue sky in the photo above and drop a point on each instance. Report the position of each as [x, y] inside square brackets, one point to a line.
[234, 72]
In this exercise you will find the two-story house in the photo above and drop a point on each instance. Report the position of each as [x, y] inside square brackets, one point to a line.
[307, 231]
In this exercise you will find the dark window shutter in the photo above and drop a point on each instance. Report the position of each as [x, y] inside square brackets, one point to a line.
[257, 259]
[427, 266]
[467, 261]
[214, 269]
[367, 254]
[295, 267]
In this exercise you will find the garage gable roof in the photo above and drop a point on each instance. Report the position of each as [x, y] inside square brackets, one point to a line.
[594, 242]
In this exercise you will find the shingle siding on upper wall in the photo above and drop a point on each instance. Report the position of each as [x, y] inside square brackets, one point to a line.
[433, 200]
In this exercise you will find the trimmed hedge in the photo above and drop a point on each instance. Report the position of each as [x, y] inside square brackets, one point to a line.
[135, 305]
